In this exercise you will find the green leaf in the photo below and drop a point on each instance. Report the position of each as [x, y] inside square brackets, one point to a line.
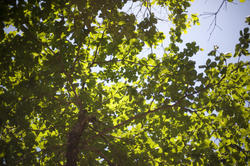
[86, 83]
[228, 55]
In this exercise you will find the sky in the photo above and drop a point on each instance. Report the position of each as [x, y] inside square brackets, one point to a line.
[230, 19]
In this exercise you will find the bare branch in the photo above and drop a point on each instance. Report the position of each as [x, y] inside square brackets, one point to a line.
[214, 24]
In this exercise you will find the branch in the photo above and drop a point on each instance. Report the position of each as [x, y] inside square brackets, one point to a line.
[136, 117]
[97, 48]
[213, 24]
[237, 147]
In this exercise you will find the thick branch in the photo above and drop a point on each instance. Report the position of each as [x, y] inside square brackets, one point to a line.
[136, 117]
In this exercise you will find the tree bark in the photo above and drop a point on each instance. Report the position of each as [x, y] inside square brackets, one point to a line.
[74, 138]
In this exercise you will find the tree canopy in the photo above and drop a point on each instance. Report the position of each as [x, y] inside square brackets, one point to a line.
[76, 87]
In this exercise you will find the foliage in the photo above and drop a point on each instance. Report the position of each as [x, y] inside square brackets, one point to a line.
[74, 88]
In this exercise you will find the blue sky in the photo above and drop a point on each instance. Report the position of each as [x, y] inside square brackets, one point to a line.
[231, 19]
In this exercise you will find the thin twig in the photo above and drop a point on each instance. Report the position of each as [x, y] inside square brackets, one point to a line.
[214, 24]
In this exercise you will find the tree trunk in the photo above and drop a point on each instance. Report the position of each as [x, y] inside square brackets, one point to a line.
[74, 138]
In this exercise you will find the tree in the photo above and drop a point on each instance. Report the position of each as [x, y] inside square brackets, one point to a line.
[74, 91]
